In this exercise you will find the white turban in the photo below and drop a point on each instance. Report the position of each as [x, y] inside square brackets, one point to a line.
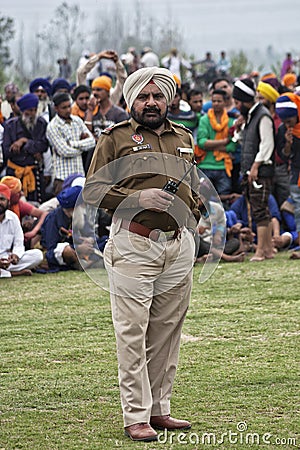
[162, 77]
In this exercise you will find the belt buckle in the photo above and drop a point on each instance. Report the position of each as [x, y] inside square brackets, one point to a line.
[158, 235]
[154, 235]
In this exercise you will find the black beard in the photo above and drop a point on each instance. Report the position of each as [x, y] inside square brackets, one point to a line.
[153, 123]
[3, 209]
[244, 111]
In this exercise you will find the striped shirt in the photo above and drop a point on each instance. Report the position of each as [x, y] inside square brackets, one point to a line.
[67, 146]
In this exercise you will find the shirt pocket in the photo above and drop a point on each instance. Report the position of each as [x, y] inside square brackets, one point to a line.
[145, 164]
[7, 242]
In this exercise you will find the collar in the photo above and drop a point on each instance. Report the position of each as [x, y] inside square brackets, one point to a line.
[6, 217]
[252, 110]
[63, 121]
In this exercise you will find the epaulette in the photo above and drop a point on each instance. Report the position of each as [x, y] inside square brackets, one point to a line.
[180, 125]
[108, 130]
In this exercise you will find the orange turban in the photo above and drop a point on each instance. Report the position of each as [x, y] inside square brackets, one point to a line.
[102, 82]
[177, 80]
[288, 79]
[13, 183]
[4, 190]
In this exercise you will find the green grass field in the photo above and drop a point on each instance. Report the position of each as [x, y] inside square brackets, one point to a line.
[237, 381]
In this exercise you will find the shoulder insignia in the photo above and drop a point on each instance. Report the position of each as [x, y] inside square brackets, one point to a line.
[108, 130]
[180, 125]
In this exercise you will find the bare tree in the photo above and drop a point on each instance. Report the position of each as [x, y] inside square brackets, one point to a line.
[6, 34]
[63, 36]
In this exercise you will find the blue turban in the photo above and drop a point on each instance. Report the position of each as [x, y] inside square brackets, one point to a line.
[40, 82]
[68, 182]
[68, 197]
[60, 83]
[285, 107]
[28, 101]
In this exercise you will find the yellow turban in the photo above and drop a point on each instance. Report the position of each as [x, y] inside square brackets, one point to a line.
[288, 79]
[267, 91]
[162, 77]
[102, 82]
[13, 183]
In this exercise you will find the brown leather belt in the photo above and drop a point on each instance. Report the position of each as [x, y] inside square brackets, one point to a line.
[153, 234]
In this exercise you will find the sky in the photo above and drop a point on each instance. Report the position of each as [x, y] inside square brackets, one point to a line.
[207, 25]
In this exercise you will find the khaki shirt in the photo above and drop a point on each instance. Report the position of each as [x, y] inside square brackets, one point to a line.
[129, 158]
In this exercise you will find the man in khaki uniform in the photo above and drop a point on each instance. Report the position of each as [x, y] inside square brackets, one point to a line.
[150, 253]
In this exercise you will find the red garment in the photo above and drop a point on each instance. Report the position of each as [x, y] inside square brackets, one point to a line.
[22, 209]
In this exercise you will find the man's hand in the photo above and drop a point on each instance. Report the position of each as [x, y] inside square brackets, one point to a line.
[17, 145]
[289, 136]
[236, 228]
[109, 54]
[253, 174]
[13, 259]
[202, 229]
[4, 263]
[155, 199]
[92, 103]
[86, 246]
[84, 136]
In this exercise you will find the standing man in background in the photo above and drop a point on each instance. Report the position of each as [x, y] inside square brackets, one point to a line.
[257, 162]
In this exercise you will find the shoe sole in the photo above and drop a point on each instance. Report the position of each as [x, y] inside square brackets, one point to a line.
[170, 429]
[147, 439]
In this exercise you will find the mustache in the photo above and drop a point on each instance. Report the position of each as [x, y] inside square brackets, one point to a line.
[151, 110]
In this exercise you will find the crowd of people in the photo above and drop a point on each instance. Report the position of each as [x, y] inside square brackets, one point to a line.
[246, 135]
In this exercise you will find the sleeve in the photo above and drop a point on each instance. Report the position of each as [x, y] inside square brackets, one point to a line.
[51, 237]
[273, 207]
[25, 208]
[7, 140]
[84, 144]
[18, 243]
[84, 69]
[266, 146]
[39, 143]
[240, 211]
[121, 75]
[59, 143]
[1, 141]
[280, 142]
[203, 131]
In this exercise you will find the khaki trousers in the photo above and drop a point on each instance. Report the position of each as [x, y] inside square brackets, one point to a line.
[150, 286]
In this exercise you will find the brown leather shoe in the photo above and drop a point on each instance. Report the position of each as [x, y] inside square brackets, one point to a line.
[141, 432]
[167, 422]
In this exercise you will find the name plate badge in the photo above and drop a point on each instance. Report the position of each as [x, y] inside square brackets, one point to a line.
[141, 147]
[185, 150]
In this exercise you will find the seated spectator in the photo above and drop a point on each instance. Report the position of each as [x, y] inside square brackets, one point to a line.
[57, 236]
[14, 260]
[35, 216]
[213, 233]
